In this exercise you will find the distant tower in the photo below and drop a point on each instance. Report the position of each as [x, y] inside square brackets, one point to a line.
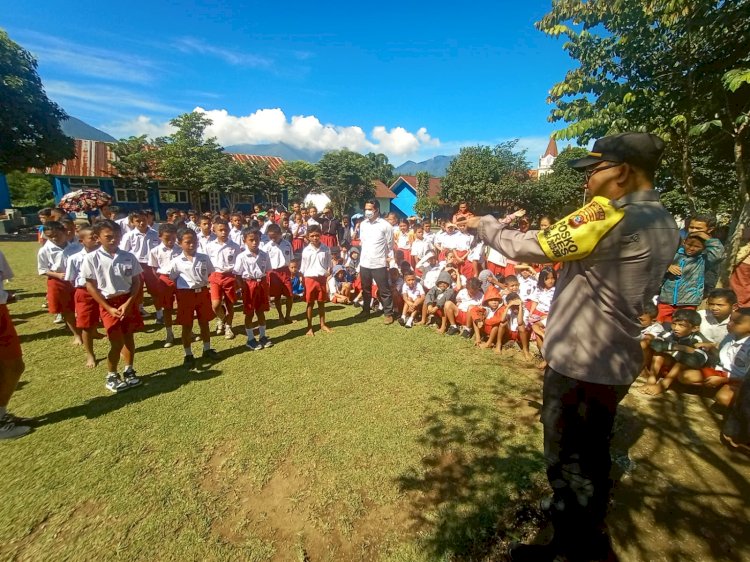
[548, 158]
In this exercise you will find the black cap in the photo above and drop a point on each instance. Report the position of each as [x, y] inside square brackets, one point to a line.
[640, 149]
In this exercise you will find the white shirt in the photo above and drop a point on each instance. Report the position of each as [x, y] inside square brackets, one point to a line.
[461, 241]
[402, 240]
[50, 258]
[236, 236]
[449, 241]
[655, 330]
[316, 262]
[711, 328]
[252, 266]
[414, 293]
[493, 256]
[6, 274]
[113, 274]
[223, 256]
[419, 249]
[430, 275]
[476, 253]
[124, 225]
[528, 287]
[203, 241]
[465, 301]
[333, 285]
[191, 274]
[543, 299]
[311, 222]
[734, 356]
[280, 254]
[73, 268]
[160, 258]
[377, 243]
[140, 243]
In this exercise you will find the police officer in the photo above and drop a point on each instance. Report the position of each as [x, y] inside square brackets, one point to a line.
[617, 249]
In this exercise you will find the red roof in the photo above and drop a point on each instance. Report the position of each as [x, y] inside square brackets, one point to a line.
[435, 184]
[551, 148]
[382, 191]
[92, 160]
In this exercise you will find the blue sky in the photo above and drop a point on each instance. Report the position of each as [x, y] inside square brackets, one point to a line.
[410, 81]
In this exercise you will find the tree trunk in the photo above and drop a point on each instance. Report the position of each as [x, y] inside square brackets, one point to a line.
[737, 237]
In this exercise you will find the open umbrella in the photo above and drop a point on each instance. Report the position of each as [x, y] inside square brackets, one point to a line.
[84, 200]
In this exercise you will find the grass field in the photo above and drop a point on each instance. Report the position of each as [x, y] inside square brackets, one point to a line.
[370, 443]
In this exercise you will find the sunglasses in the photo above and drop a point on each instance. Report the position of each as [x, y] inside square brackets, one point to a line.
[588, 172]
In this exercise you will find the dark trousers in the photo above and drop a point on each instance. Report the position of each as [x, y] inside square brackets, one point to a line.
[380, 276]
[578, 418]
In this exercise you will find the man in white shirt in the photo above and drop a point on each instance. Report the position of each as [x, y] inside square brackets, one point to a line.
[376, 237]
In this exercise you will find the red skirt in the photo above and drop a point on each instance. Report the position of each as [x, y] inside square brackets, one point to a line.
[298, 244]
[10, 345]
[329, 240]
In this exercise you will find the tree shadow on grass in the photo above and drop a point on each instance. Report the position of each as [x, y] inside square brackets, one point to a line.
[161, 382]
[464, 494]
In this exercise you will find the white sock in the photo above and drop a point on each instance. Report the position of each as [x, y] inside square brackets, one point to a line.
[111, 374]
[262, 331]
[188, 351]
[403, 317]
[410, 321]
[170, 334]
[206, 345]
[454, 326]
[128, 368]
[250, 334]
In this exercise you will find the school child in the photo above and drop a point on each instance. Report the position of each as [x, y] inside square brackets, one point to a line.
[192, 221]
[339, 290]
[113, 278]
[675, 351]
[402, 240]
[160, 261]
[351, 264]
[541, 303]
[312, 217]
[462, 249]
[651, 328]
[252, 266]
[279, 279]
[298, 282]
[419, 246]
[435, 299]
[429, 237]
[513, 325]
[11, 360]
[235, 233]
[140, 241]
[286, 231]
[51, 264]
[86, 308]
[716, 317]
[475, 258]
[190, 271]
[223, 253]
[429, 270]
[396, 282]
[458, 313]
[316, 262]
[44, 216]
[492, 320]
[684, 282]
[299, 230]
[205, 234]
[528, 280]
[263, 224]
[414, 297]
[706, 224]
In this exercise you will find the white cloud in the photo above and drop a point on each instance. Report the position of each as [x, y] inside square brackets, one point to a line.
[236, 58]
[102, 98]
[300, 131]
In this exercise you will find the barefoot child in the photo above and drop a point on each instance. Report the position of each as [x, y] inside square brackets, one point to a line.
[51, 264]
[413, 295]
[652, 328]
[513, 327]
[298, 282]
[223, 254]
[190, 271]
[252, 267]
[86, 308]
[316, 263]
[160, 261]
[541, 303]
[280, 253]
[113, 278]
[493, 317]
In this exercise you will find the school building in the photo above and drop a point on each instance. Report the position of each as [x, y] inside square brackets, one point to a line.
[405, 194]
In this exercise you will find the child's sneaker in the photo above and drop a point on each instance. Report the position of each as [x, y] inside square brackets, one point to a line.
[44, 304]
[402, 321]
[409, 323]
[211, 354]
[129, 376]
[253, 345]
[228, 333]
[58, 319]
[114, 384]
[11, 430]
[466, 333]
[219, 327]
[265, 343]
[188, 362]
[169, 342]
[452, 330]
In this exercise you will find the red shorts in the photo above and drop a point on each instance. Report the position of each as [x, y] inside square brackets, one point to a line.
[329, 240]
[513, 336]
[132, 322]
[665, 311]
[192, 305]
[315, 289]
[87, 310]
[461, 318]
[280, 282]
[223, 285]
[59, 296]
[407, 257]
[255, 296]
[150, 280]
[467, 269]
[10, 345]
[166, 294]
[711, 372]
[497, 270]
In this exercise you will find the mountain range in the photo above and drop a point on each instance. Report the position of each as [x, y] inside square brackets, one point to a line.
[436, 166]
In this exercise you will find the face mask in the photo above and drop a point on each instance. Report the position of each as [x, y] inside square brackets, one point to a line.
[369, 214]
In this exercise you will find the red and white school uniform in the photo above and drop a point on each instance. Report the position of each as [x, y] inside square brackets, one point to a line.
[140, 244]
[190, 274]
[235, 235]
[253, 270]
[298, 240]
[315, 264]
[86, 308]
[223, 282]
[496, 262]
[279, 278]
[419, 249]
[528, 287]
[543, 300]
[160, 261]
[10, 344]
[113, 275]
[51, 258]
[413, 294]
[466, 302]
[403, 243]
[203, 241]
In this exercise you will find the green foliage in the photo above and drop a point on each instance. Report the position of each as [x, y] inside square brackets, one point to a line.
[29, 191]
[298, 177]
[425, 205]
[30, 133]
[134, 164]
[346, 177]
[557, 193]
[486, 177]
[382, 169]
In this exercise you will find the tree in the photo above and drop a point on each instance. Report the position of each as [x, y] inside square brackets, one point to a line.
[29, 191]
[486, 177]
[382, 169]
[679, 68]
[298, 177]
[263, 181]
[557, 193]
[134, 165]
[346, 177]
[425, 205]
[30, 133]
[189, 161]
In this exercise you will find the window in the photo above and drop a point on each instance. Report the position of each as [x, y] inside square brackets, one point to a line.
[123, 195]
[174, 196]
[83, 183]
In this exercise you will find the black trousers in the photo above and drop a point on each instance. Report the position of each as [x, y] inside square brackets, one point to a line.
[380, 276]
[578, 418]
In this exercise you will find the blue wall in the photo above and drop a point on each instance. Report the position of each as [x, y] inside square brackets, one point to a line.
[4, 193]
[406, 197]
